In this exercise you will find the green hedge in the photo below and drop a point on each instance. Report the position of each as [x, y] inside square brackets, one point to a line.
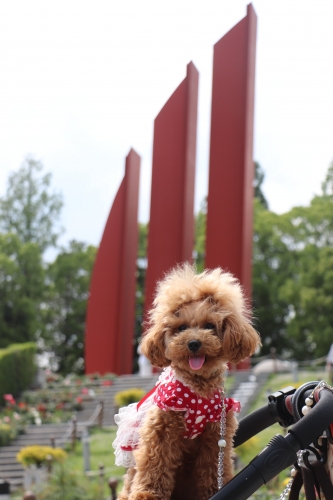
[17, 368]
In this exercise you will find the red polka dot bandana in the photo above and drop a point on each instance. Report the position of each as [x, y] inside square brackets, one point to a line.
[172, 394]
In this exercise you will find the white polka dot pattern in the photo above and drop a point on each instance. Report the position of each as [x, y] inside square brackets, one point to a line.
[174, 395]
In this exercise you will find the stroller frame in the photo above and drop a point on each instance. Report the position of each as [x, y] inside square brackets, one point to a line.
[280, 452]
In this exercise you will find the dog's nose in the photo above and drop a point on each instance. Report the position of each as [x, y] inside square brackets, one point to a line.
[194, 345]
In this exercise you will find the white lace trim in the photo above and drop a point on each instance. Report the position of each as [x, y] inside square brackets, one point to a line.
[129, 420]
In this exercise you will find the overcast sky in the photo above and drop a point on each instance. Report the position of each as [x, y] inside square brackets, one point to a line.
[82, 81]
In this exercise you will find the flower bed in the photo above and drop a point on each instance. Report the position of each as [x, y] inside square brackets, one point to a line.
[40, 455]
[54, 403]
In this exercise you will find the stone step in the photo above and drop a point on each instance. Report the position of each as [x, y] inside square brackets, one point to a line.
[8, 458]
[39, 429]
[11, 467]
[12, 474]
[36, 440]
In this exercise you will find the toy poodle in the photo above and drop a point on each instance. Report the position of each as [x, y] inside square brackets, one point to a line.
[177, 442]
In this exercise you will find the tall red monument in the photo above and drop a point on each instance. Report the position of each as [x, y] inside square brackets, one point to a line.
[110, 317]
[231, 170]
[171, 225]
[111, 305]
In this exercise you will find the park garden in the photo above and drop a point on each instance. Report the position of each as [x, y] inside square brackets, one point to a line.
[43, 306]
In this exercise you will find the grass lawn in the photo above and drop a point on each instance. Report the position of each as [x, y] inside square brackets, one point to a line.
[101, 452]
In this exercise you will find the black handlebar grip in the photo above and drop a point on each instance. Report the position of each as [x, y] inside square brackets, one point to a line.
[315, 422]
[277, 455]
[253, 423]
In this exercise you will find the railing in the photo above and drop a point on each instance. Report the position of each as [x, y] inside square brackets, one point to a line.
[71, 432]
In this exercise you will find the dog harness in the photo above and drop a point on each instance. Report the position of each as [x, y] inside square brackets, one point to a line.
[172, 394]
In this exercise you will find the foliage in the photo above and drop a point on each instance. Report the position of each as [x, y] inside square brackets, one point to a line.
[21, 290]
[40, 455]
[140, 290]
[200, 236]
[273, 264]
[65, 309]
[100, 445]
[125, 398]
[259, 177]
[66, 485]
[6, 434]
[248, 447]
[68, 481]
[29, 209]
[17, 368]
[12, 424]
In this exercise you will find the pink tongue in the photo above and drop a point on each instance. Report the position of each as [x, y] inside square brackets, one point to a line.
[196, 362]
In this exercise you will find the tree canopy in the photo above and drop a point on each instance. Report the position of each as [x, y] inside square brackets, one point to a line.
[29, 208]
[68, 281]
[46, 302]
[21, 290]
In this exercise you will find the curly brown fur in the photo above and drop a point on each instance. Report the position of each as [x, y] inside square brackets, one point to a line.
[210, 309]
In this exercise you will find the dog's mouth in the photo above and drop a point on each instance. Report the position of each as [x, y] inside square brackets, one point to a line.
[196, 362]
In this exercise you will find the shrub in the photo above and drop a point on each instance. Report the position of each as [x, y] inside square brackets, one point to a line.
[245, 449]
[17, 368]
[124, 398]
[6, 434]
[65, 485]
[40, 455]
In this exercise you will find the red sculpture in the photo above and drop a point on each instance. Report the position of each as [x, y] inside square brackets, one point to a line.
[231, 171]
[111, 305]
[110, 316]
[171, 225]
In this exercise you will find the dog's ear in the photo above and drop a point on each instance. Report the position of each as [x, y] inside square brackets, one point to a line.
[152, 346]
[240, 339]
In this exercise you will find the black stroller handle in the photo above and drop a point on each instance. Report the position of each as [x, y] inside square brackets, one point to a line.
[275, 411]
[281, 451]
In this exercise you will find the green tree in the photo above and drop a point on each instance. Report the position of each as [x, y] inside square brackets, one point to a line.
[259, 177]
[200, 236]
[68, 290]
[201, 217]
[311, 294]
[21, 291]
[274, 262]
[327, 185]
[29, 208]
[140, 289]
[310, 326]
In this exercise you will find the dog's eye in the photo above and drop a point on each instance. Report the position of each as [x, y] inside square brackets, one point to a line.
[209, 326]
[182, 328]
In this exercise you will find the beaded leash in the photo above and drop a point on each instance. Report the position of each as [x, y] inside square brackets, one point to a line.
[221, 443]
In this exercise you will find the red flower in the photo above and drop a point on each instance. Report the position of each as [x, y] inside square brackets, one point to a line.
[79, 382]
[22, 405]
[107, 382]
[9, 398]
[85, 391]
[60, 406]
[79, 399]
[41, 407]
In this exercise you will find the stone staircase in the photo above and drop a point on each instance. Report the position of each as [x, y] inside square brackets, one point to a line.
[10, 469]
[59, 434]
[245, 389]
[109, 408]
